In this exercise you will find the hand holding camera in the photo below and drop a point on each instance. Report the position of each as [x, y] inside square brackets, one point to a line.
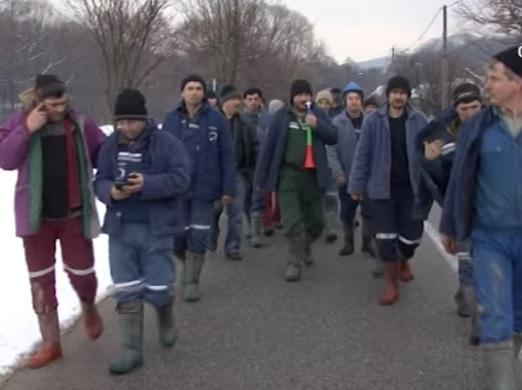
[123, 188]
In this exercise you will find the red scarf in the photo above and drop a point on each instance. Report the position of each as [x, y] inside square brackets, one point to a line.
[73, 174]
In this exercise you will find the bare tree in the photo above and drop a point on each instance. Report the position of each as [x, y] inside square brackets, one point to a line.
[221, 32]
[24, 42]
[503, 17]
[133, 36]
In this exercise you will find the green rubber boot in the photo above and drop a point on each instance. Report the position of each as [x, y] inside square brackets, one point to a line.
[167, 325]
[193, 268]
[131, 350]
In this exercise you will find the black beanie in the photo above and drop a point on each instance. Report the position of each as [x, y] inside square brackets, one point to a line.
[229, 92]
[371, 101]
[298, 87]
[48, 85]
[130, 104]
[398, 82]
[512, 59]
[466, 93]
[195, 78]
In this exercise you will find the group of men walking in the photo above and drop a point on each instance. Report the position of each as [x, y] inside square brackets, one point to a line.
[165, 191]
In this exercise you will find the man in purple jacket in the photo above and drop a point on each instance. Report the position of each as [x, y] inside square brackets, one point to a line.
[52, 148]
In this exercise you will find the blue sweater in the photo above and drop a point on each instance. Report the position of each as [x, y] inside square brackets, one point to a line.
[166, 179]
[208, 140]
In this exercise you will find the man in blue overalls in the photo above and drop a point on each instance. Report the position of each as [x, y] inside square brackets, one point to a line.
[206, 135]
[484, 202]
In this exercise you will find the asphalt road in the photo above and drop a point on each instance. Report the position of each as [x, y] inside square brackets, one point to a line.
[252, 330]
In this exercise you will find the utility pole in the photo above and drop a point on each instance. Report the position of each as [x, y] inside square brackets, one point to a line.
[393, 56]
[444, 73]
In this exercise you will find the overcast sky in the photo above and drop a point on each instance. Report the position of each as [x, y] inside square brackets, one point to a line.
[366, 29]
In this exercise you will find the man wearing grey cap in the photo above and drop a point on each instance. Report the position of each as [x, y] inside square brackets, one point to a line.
[484, 202]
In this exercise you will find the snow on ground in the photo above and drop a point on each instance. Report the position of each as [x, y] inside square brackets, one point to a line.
[18, 327]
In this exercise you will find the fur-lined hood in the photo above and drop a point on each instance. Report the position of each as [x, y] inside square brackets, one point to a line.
[27, 99]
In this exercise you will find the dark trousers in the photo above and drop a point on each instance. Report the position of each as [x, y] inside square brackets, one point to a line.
[397, 234]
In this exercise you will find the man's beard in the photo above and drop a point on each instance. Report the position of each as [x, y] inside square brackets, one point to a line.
[398, 104]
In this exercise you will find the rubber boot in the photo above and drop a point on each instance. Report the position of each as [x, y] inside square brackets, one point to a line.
[295, 255]
[307, 256]
[331, 214]
[499, 365]
[130, 356]
[193, 267]
[92, 321]
[347, 250]
[50, 349]
[517, 342]
[367, 240]
[167, 325]
[179, 266]
[405, 273]
[391, 283]
[377, 268]
[256, 229]
[467, 307]
[463, 308]
[268, 231]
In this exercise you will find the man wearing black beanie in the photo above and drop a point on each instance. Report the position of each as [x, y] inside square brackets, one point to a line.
[436, 143]
[386, 173]
[207, 137]
[142, 175]
[54, 149]
[293, 163]
[483, 203]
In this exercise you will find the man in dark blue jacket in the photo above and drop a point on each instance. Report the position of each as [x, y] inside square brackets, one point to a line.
[206, 135]
[484, 202]
[142, 173]
[282, 168]
[437, 143]
[386, 172]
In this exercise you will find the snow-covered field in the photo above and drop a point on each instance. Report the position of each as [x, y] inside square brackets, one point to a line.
[18, 326]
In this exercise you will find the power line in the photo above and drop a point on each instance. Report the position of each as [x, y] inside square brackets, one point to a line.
[425, 31]
[455, 3]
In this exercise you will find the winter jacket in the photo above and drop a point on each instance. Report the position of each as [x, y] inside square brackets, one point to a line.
[460, 203]
[246, 145]
[340, 156]
[20, 150]
[435, 173]
[272, 154]
[208, 141]
[165, 179]
[371, 167]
